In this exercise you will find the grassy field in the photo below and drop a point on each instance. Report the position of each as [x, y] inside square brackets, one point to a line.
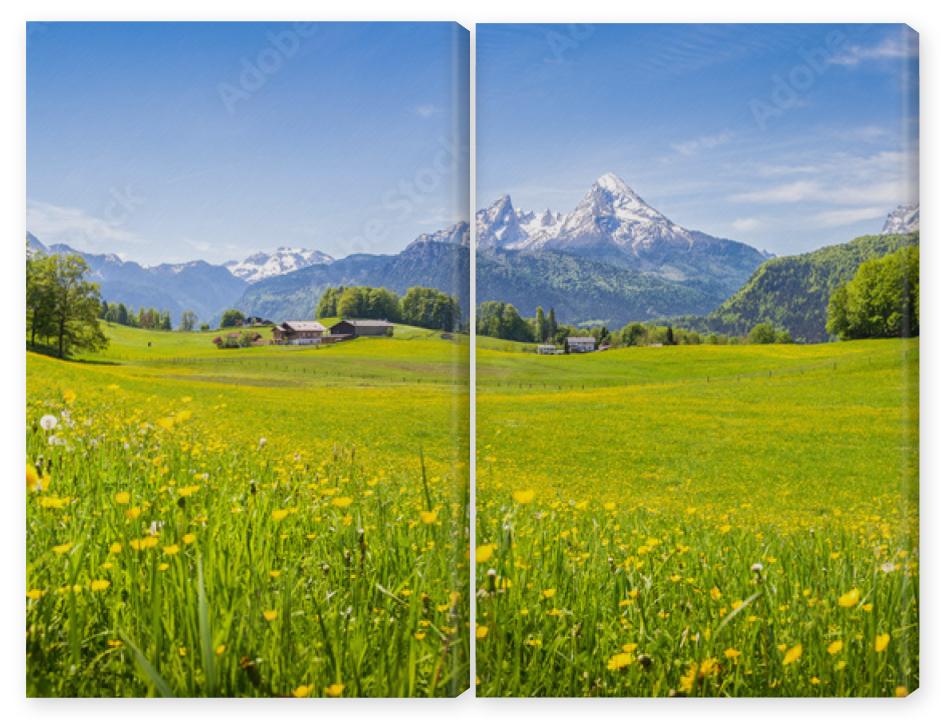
[703, 520]
[251, 522]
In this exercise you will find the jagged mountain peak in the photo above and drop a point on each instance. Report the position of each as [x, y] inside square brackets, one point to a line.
[905, 219]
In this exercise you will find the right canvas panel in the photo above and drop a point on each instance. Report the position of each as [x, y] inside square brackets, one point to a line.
[697, 360]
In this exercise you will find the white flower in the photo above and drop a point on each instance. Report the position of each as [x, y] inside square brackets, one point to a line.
[54, 440]
[887, 567]
[48, 422]
[757, 567]
[262, 442]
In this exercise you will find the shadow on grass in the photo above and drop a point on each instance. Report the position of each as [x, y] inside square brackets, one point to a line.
[52, 352]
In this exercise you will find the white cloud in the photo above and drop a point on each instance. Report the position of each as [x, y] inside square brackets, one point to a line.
[888, 49]
[793, 192]
[843, 217]
[701, 143]
[54, 224]
[746, 224]
[425, 110]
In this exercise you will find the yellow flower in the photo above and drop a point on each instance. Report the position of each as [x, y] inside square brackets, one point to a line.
[334, 690]
[163, 566]
[849, 599]
[428, 517]
[122, 497]
[63, 548]
[420, 635]
[881, 642]
[732, 653]
[523, 497]
[270, 614]
[32, 478]
[134, 512]
[147, 542]
[481, 632]
[171, 549]
[484, 552]
[867, 607]
[792, 654]
[341, 502]
[69, 396]
[629, 647]
[99, 585]
[219, 650]
[34, 594]
[115, 548]
[53, 502]
[725, 529]
[548, 593]
[619, 661]
[279, 514]
[188, 539]
[900, 691]
[815, 680]
[835, 647]
[274, 573]
[715, 594]
[303, 691]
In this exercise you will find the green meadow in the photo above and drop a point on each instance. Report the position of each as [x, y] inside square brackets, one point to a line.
[698, 520]
[265, 521]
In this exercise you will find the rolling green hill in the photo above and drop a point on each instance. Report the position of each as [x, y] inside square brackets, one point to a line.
[793, 292]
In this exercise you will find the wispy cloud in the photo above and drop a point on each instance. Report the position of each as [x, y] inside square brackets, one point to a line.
[747, 224]
[793, 192]
[66, 225]
[888, 49]
[425, 110]
[843, 217]
[701, 143]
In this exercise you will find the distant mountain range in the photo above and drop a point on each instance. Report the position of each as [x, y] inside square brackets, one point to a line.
[285, 284]
[206, 289]
[645, 263]
[437, 260]
[286, 259]
[611, 260]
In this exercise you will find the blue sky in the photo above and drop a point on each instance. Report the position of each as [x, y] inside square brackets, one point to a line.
[787, 137]
[176, 141]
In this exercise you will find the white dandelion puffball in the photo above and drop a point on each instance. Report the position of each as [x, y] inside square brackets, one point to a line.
[48, 422]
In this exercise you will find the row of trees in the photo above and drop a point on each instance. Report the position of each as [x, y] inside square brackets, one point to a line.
[147, 318]
[881, 300]
[62, 307]
[420, 306]
[502, 320]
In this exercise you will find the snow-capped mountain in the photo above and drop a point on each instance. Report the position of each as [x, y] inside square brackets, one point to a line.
[455, 234]
[903, 220]
[286, 259]
[612, 224]
[502, 225]
[611, 214]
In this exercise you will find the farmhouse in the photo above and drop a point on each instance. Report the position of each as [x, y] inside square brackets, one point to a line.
[581, 344]
[298, 332]
[548, 349]
[363, 328]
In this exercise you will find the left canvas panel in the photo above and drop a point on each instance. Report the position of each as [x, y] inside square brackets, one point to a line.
[247, 359]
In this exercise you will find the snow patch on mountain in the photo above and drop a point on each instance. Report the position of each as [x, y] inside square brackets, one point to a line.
[286, 259]
[903, 220]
